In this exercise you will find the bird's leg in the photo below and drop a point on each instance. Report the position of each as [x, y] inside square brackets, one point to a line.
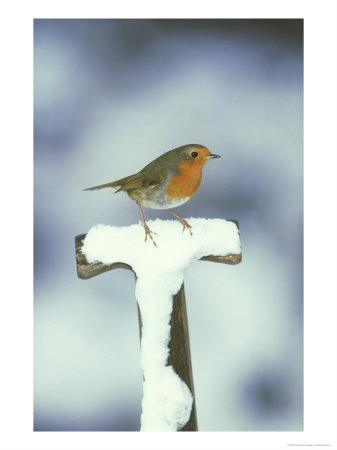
[184, 223]
[148, 232]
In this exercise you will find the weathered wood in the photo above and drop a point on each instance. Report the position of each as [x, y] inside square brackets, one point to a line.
[179, 346]
[180, 353]
[228, 259]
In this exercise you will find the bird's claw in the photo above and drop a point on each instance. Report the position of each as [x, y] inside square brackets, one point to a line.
[186, 225]
[148, 232]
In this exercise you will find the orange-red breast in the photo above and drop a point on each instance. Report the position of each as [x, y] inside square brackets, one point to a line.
[167, 182]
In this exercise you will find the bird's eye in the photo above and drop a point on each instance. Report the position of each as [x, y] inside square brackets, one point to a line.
[194, 154]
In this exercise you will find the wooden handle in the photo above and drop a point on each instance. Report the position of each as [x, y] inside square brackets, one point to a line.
[179, 346]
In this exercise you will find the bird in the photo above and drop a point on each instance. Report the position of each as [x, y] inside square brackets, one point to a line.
[167, 182]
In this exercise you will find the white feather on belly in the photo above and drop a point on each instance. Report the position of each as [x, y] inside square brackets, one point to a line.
[164, 203]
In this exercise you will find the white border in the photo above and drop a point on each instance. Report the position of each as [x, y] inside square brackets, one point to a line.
[320, 223]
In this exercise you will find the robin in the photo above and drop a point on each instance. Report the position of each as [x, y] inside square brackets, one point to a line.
[167, 182]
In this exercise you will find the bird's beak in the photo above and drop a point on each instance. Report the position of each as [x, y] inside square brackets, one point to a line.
[212, 156]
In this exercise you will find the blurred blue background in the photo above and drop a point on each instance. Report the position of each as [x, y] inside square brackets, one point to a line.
[110, 96]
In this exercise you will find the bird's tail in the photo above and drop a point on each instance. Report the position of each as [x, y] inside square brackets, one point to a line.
[101, 186]
[113, 184]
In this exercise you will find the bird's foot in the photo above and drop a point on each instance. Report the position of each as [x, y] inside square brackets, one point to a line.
[185, 224]
[149, 233]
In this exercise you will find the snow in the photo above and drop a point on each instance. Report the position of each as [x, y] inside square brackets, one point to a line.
[167, 401]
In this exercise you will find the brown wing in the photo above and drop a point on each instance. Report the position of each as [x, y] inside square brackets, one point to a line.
[142, 179]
